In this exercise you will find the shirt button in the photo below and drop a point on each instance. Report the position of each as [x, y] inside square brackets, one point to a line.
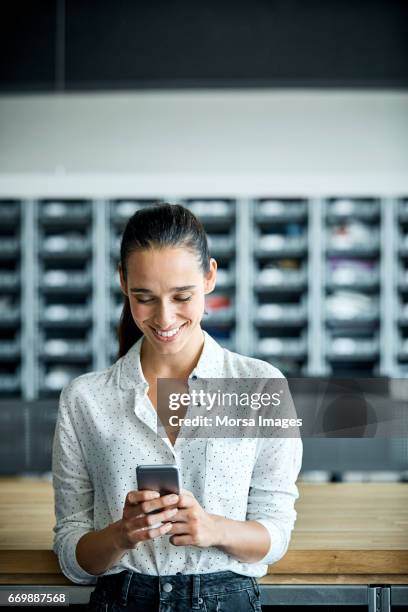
[194, 377]
[167, 587]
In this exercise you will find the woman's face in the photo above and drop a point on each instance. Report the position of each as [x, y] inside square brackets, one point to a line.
[166, 289]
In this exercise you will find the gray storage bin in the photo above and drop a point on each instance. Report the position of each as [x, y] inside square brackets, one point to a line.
[280, 279]
[347, 277]
[65, 348]
[353, 349]
[10, 349]
[349, 306]
[222, 317]
[54, 377]
[281, 347]
[280, 210]
[10, 313]
[66, 315]
[280, 314]
[64, 212]
[280, 245]
[10, 383]
[124, 209]
[9, 280]
[221, 245]
[209, 211]
[72, 244]
[344, 208]
[365, 240]
[9, 213]
[70, 280]
[9, 247]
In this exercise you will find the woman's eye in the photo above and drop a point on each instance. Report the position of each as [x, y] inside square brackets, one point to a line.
[178, 299]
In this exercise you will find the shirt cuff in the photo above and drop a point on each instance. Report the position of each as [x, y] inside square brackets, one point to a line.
[278, 544]
[68, 561]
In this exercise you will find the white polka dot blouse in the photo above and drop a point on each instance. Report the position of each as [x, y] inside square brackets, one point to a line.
[107, 426]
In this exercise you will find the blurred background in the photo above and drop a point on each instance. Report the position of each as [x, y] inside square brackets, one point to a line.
[281, 124]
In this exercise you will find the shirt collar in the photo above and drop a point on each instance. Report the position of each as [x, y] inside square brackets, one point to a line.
[210, 364]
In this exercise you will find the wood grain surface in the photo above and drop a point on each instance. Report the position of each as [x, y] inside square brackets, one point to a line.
[354, 533]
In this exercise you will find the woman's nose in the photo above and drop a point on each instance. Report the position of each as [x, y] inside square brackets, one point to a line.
[164, 316]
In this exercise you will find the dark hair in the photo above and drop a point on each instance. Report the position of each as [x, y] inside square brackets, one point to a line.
[158, 226]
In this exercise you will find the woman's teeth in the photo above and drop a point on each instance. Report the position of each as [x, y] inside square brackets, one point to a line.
[168, 334]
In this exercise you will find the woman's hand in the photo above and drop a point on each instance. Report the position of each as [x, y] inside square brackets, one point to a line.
[136, 525]
[192, 525]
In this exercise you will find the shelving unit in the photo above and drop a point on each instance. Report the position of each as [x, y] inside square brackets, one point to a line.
[65, 291]
[315, 286]
[280, 259]
[401, 310]
[10, 298]
[352, 286]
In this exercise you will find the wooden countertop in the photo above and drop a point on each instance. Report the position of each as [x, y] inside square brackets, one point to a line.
[350, 533]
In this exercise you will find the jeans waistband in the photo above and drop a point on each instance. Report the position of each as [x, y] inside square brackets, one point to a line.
[129, 584]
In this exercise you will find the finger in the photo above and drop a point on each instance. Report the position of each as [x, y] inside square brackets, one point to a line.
[135, 497]
[179, 529]
[137, 511]
[186, 500]
[151, 533]
[181, 540]
[161, 502]
[147, 520]
[181, 516]
[186, 492]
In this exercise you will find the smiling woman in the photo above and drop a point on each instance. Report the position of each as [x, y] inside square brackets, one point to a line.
[204, 547]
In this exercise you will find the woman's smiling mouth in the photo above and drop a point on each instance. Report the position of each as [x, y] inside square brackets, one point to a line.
[168, 336]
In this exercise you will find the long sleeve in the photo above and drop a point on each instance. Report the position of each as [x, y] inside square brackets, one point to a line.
[73, 490]
[273, 491]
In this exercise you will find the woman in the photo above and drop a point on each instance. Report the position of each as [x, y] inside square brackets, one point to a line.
[235, 512]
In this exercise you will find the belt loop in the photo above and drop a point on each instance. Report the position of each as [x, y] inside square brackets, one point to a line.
[125, 587]
[196, 600]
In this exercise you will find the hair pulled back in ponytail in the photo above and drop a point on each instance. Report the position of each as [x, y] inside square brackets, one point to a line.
[158, 226]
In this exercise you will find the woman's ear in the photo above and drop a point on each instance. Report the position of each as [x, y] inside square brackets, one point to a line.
[122, 280]
[211, 277]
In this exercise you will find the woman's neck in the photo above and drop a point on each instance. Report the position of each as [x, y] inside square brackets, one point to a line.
[179, 365]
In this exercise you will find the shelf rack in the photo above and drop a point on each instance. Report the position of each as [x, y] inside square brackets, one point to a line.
[401, 287]
[352, 286]
[315, 285]
[65, 291]
[10, 297]
[280, 287]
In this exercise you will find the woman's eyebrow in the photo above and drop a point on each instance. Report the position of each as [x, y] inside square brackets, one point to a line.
[143, 290]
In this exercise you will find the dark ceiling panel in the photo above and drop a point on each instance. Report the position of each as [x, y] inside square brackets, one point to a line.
[222, 42]
[130, 44]
[27, 45]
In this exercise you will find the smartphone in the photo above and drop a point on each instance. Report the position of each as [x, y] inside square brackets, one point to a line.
[162, 478]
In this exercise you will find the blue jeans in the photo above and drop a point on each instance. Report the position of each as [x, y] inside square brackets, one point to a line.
[214, 592]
